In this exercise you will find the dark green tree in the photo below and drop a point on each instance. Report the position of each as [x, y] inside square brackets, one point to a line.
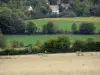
[90, 43]
[31, 28]
[79, 46]
[87, 28]
[97, 46]
[44, 29]
[2, 40]
[61, 44]
[10, 22]
[74, 28]
[50, 28]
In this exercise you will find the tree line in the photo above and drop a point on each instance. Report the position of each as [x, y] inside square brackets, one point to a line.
[30, 28]
[12, 22]
[41, 9]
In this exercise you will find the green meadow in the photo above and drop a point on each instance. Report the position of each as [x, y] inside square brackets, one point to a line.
[31, 39]
[63, 23]
[66, 23]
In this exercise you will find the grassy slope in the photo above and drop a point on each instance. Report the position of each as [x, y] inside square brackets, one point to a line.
[66, 23]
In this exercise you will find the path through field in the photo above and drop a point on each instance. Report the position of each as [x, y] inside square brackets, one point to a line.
[52, 64]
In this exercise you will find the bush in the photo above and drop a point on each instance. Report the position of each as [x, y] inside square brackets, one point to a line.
[14, 44]
[31, 28]
[49, 28]
[2, 41]
[21, 44]
[61, 44]
[90, 43]
[87, 28]
[50, 46]
[74, 28]
[79, 46]
[13, 51]
[38, 43]
[71, 14]
[36, 49]
[97, 46]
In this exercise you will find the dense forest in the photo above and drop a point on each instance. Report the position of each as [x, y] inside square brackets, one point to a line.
[42, 9]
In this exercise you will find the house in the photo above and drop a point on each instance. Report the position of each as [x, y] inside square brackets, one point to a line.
[30, 8]
[54, 5]
[55, 9]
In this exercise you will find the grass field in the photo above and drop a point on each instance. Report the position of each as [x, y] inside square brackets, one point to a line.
[63, 23]
[66, 23]
[51, 64]
[31, 39]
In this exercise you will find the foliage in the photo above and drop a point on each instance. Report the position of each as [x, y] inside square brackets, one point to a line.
[42, 8]
[2, 41]
[10, 22]
[97, 46]
[31, 28]
[90, 43]
[79, 46]
[61, 44]
[50, 28]
[87, 28]
[17, 44]
[38, 43]
[74, 28]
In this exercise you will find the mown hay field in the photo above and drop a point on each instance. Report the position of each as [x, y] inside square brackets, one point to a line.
[51, 64]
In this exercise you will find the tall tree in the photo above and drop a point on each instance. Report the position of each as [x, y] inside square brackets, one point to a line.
[74, 28]
[87, 28]
[31, 28]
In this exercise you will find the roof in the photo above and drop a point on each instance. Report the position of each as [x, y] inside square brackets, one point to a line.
[54, 7]
[30, 8]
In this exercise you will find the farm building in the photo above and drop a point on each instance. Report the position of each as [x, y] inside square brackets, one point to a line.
[55, 9]
[54, 5]
[30, 8]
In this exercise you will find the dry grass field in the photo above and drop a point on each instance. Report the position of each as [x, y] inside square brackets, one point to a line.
[86, 19]
[52, 64]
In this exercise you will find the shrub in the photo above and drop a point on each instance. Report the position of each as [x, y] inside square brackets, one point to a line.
[50, 46]
[90, 43]
[36, 49]
[31, 28]
[13, 51]
[97, 46]
[61, 44]
[38, 43]
[71, 14]
[99, 31]
[17, 44]
[74, 28]
[2, 41]
[87, 28]
[79, 46]
[14, 44]
[49, 28]
[21, 44]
